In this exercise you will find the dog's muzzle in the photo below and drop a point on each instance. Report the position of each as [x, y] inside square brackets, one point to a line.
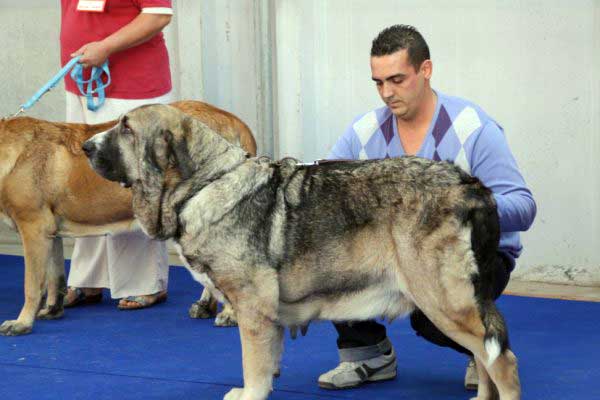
[110, 169]
[89, 148]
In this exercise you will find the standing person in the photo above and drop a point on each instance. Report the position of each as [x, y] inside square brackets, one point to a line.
[417, 120]
[127, 33]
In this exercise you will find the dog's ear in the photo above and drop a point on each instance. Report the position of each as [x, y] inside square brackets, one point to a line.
[179, 153]
[187, 127]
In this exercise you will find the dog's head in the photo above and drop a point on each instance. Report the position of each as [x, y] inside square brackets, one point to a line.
[153, 149]
[142, 140]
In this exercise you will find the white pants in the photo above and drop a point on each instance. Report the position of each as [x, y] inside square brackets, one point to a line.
[129, 264]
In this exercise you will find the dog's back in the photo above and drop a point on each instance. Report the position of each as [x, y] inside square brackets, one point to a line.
[332, 199]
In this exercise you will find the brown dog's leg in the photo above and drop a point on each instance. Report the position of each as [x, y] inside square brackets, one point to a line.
[57, 286]
[36, 246]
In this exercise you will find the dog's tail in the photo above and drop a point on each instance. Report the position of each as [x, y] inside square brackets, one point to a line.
[485, 235]
[496, 336]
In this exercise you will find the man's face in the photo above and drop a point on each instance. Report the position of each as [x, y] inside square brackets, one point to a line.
[399, 85]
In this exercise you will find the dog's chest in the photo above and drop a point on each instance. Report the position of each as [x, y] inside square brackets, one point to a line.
[200, 277]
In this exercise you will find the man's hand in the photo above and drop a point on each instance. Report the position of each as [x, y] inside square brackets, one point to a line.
[93, 54]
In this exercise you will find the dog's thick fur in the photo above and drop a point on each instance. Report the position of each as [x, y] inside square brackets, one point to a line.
[286, 243]
[48, 190]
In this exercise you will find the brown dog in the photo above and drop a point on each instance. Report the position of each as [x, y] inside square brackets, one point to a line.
[49, 191]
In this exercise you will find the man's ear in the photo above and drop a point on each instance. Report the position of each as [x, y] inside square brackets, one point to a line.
[427, 69]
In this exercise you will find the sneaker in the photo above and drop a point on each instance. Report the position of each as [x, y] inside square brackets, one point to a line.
[471, 377]
[352, 374]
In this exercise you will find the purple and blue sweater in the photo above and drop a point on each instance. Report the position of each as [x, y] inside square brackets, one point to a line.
[460, 132]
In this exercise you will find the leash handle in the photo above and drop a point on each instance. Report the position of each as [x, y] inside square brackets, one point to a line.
[95, 77]
[51, 83]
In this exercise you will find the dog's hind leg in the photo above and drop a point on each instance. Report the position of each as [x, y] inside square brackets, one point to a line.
[467, 329]
[37, 246]
[504, 373]
[486, 388]
[57, 285]
[501, 363]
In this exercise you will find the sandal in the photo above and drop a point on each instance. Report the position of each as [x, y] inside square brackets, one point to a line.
[143, 301]
[82, 299]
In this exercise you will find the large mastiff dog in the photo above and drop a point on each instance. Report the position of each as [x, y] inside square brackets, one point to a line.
[48, 190]
[287, 243]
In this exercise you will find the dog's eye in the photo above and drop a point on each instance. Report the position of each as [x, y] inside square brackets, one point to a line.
[126, 130]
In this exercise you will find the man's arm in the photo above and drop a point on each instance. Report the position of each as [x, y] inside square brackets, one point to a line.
[496, 167]
[138, 31]
[342, 149]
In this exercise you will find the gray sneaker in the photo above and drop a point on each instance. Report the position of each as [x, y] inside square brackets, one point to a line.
[471, 377]
[352, 374]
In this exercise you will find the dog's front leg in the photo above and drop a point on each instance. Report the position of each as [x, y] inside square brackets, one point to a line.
[226, 317]
[36, 245]
[259, 338]
[205, 307]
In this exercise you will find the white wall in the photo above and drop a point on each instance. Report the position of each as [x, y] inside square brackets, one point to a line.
[236, 58]
[29, 39]
[533, 65]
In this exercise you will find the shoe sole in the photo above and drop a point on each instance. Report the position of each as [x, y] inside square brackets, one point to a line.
[373, 379]
[472, 387]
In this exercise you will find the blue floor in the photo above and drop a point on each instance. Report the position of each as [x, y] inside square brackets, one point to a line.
[97, 352]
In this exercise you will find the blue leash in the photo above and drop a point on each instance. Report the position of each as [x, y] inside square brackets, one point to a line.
[77, 75]
[96, 76]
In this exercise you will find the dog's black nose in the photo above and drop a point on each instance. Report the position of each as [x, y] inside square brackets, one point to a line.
[88, 148]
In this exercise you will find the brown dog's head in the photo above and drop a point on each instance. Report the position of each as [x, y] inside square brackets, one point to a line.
[163, 154]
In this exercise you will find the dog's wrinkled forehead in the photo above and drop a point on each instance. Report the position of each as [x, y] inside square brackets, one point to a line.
[148, 116]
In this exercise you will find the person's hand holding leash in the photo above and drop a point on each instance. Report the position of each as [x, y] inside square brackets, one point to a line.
[93, 54]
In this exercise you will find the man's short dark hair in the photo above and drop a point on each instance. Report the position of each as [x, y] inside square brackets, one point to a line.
[400, 37]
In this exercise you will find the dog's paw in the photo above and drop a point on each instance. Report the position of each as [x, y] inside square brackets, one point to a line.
[14, 328]
[226, 318]
[51, 312]
[202, 309]
[234, 394]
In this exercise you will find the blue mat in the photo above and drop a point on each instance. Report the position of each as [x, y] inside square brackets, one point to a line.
[97, 352]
